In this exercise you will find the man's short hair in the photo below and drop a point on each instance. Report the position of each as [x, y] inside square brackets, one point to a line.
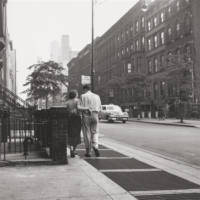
[72, 94]
[87, 87]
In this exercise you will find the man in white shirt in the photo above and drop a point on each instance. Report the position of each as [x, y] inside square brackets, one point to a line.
[90, 119]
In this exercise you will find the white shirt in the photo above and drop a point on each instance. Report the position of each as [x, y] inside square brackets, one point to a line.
[91, 101]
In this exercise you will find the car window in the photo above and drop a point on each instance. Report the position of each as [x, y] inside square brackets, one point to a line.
[117, 108]
[103, 108]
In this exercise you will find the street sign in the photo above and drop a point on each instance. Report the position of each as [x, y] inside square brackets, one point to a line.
[85, 79]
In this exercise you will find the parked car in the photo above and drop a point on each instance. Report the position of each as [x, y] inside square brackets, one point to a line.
[112, 113]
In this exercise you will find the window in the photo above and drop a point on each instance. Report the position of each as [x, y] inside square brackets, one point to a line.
[136, 45]
[178, 29]
[177, 6]
[161, 17]
[155, 90]
[136, 26]
[162, 60]
[111, 93]
[131, 46]
[155, 64]
[126, 33]
[122, 51]
[139, 64]
[99, 80]
[117, 39]
[169, 11]
[124, 68]
[142, 22]
[149, 26]
[118, 55]
[187, 52]
[169, 33]
[149, 44]
[126, 49]
[187, 24]
[155, 41]
[155, 21]
[162, 38]
[149, 66]
[129, 67]
[131, 30]
[122, 37]
[142, 42]
[162, 89]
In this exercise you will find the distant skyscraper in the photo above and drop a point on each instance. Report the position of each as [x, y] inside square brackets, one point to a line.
[64, 48]
[62, 55]
[55, 51]
[39, 60]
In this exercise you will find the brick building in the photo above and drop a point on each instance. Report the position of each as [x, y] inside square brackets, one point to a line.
[141, 42]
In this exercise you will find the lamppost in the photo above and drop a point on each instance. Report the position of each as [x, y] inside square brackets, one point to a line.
[92, 53]
[144, 8]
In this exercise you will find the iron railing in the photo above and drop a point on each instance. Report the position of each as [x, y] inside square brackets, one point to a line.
[11, 100]
[22, 135]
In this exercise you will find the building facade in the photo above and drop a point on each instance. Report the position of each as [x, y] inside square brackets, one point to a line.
[140, 42]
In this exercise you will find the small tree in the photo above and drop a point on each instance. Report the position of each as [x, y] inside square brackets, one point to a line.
[45, 81]
[135, 81]
[138, 84]
[179, 75]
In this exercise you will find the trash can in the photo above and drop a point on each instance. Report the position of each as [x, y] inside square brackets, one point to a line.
[149, 114]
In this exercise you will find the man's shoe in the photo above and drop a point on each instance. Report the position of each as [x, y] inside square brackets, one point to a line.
[96, 151]
[87, 155]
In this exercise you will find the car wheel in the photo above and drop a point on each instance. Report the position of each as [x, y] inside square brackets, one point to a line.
[124, 121]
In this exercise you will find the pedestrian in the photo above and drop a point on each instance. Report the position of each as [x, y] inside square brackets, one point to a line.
[160, 114]
[74, 122]
[90, 119]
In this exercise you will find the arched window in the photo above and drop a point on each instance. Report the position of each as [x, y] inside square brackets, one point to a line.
[178, 28]
[187, 24]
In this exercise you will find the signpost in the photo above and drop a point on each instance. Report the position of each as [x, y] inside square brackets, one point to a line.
[85, 79]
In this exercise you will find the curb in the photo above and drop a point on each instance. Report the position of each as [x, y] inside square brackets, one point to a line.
[172, 124]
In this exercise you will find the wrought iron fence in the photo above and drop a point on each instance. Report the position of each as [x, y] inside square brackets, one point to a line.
[24, 135]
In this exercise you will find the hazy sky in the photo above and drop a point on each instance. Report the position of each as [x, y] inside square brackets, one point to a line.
[34, 24]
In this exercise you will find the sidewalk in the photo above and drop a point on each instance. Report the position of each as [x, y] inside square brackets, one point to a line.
[174, 122]
[101, 178]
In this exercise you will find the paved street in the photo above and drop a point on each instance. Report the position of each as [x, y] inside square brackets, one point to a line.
[179, 143]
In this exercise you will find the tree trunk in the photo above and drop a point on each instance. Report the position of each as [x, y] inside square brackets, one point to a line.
[181, 112]
[46, 101]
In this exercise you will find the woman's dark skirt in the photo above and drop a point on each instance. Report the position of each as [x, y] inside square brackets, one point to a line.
[74, 130]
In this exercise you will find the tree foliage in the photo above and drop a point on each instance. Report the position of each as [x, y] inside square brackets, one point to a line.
[179, 75]
[135, 82]
[45, 80]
